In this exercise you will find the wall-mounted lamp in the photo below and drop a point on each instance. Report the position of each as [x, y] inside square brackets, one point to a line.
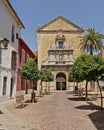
[5, 42]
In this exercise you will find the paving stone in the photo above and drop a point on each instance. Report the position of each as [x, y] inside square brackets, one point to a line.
[57, 111]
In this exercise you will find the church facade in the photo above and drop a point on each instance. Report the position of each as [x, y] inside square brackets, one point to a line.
[58, 47]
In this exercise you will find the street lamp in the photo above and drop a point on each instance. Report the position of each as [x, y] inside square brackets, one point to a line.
[5, 42]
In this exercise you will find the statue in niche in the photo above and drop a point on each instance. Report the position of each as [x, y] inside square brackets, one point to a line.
[60, 57]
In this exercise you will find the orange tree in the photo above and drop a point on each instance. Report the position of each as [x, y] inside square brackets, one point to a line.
[30, 72]
[89, 68]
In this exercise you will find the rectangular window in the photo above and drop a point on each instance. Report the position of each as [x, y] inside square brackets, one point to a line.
[22, 84]
[11, 87]
[13, 33]
[0, 55]
[20, 55]
[4, 85]
[17, 36]
[13, 60]
[23, 57]
[60, 43]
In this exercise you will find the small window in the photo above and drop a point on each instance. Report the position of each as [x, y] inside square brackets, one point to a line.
[22, 84]
[17, 35]
[0, 55]
[13, 33]
[60, 43]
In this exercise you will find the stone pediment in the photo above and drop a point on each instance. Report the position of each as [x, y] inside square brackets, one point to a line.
[60, 24]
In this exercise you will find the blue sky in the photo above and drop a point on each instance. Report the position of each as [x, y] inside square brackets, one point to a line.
[89, 13]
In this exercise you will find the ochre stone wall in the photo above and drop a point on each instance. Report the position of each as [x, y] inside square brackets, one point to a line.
[46, 40]
[46, 36]
[59, 24]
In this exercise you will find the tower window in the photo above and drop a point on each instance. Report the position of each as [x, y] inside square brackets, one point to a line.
[60, 43]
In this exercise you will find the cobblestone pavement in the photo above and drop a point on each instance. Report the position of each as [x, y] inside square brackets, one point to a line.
[59, 111]
[8, 121]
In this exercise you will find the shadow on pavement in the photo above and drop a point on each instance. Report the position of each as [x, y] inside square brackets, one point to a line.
[88, 107]
[1, 112]
[21, 106]
[77, 98]
[98, 119]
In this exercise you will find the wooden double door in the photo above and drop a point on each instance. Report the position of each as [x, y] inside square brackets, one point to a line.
[61, 86]
[61, 81]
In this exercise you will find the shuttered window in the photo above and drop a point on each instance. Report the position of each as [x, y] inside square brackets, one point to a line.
[14, 60]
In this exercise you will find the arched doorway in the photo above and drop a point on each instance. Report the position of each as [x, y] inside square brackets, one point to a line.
[60, 81]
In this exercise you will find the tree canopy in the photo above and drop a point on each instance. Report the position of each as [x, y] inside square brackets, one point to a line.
[87, 67]
[30, 70]
[46, 75]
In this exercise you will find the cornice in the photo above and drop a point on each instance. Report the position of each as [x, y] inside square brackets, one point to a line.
[40, 29]
[56, 65]
[57, 31]
[14, 14]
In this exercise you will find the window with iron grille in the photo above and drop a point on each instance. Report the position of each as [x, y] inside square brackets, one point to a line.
[13, 60]
[0, 56]
[23, 59]
[13, 33]
[4, 85]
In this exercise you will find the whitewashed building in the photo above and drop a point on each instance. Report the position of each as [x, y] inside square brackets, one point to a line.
[10, 28]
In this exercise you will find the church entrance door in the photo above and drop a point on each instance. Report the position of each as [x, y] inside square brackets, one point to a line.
[60, 81]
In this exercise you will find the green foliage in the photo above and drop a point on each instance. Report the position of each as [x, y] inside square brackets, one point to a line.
[91, 41]
[87, 67]
[77, 71]
[30, 70]
[46, 75]
[100, 69]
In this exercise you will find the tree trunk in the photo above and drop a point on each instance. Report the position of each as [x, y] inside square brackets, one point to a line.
[46, 86]
[46, 90]
[41, 91]
[26, 88]
[91, 50]
[49, 87]
[100, 95]
[86, 90]
[33, 94]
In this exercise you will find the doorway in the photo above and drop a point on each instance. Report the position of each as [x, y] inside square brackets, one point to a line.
[60, 81]
[11, 87]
